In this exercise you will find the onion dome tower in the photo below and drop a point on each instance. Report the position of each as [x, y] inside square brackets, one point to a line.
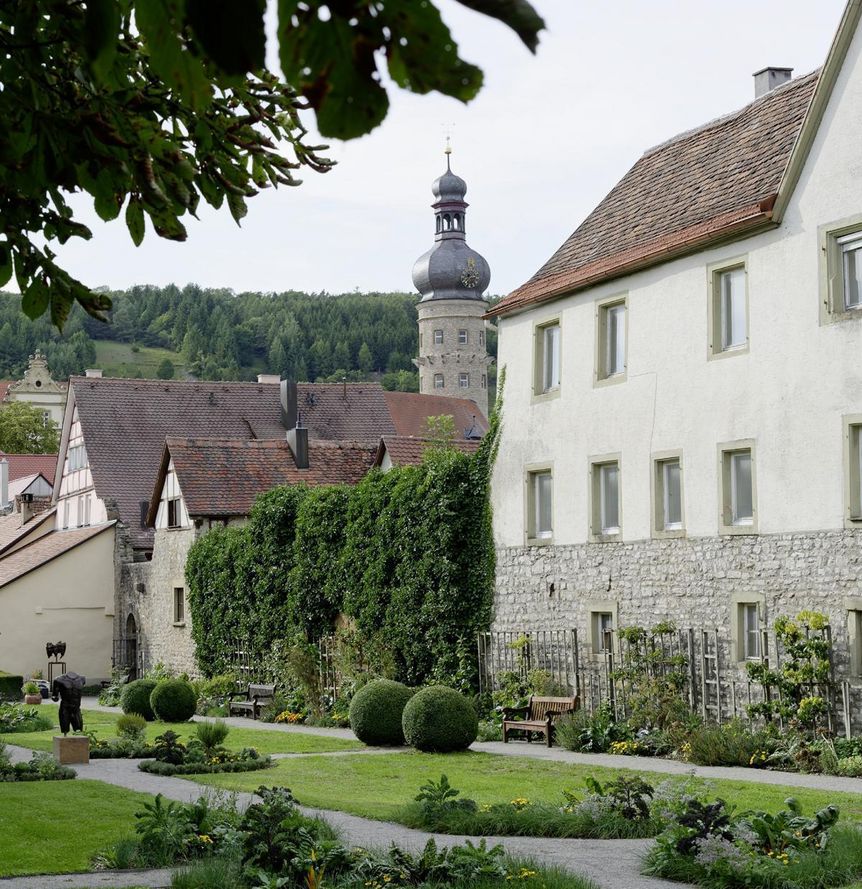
[452, 278]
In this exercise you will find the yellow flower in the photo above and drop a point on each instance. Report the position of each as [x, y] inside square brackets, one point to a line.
[520, 802]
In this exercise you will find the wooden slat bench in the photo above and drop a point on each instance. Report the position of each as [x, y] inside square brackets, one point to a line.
[538, 717]
[256, 697]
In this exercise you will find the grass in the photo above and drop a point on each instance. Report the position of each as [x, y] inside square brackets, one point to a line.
[103, 724]
[118, 360]
[380, 786]
[57, 826]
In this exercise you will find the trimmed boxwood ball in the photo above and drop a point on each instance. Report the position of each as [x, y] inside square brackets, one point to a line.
[439, 719]
[174, 700]
[135, 698]
[375, 712]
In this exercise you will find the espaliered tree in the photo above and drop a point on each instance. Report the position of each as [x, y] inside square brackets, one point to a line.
[151, 106]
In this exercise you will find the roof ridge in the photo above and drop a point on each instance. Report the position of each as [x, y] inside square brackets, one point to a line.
[732, 115]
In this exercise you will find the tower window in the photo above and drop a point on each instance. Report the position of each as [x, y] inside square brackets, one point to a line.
[463, 381]
[438, 381]
[438, 337]
[456, 222]
[481, 337]
[484, 381]
[462, 338]
[447, 223]
[439, 225]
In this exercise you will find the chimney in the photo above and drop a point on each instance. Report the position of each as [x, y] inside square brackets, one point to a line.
[4, 484]
[27, 511]
[767, 79]
[297, 439]
[269, 378]
[289, 400]
[94, 372]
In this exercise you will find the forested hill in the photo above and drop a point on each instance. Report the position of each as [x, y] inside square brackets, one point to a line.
[219, 335]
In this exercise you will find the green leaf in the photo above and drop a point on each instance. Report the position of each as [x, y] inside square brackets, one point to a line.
[159, 22]
[168, 226]
[101, 34]
[238, 208]
[5, 264]
[135, 220]
[519, 15]
[35, 299]
[230, 32]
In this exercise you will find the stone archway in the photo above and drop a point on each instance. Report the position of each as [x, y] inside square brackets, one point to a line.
[130, 647]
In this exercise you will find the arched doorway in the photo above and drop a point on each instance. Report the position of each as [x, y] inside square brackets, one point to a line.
[130, 653]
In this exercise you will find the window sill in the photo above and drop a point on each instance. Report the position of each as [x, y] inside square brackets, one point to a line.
[179, 623]
[853, 523]
[668, 534]
[715, 354]
[832, 316]
[550, 395]
[540, 541]
[606, 538]
[599, 382]
[738, 530]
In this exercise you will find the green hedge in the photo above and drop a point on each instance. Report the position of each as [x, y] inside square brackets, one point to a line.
[10, 687]
[438, 719]
[154, 767]
[135, 698]
[375, 713]
[407, 554]
[174, 700]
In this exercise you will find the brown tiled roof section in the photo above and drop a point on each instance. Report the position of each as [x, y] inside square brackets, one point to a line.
[43, 550]
[706, 184]
[11, 529]
[406, 451]
[410, 412]
[223, 477]
[21, 465]
[344, 411]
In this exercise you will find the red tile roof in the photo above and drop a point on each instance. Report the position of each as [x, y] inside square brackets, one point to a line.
[406, 451]
[4, 388]
[43, 550]
[715, 182]
[222, 477]
[21, 465]
[410, 412]
[125, 424]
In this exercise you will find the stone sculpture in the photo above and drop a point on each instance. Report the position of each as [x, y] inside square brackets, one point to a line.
[67, 689]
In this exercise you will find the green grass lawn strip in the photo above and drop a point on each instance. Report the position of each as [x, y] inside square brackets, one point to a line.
[378, 786]
[57, 826]
[104, 725]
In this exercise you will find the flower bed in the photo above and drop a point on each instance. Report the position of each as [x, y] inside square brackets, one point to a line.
[202, 755]
[711, 847]
[42, 767]
[154, 767]
[19, 718]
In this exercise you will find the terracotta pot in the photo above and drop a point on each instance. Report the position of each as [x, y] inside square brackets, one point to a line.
[32, 699]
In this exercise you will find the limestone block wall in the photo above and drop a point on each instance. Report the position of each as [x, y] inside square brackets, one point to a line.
[696, 582]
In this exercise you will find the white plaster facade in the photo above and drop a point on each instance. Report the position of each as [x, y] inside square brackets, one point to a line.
[77, 503]
[38, 389]
[788, 393]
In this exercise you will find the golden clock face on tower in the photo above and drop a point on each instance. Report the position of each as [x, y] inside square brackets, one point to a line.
[470, 275]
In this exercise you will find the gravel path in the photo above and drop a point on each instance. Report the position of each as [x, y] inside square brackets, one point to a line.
[117, 879]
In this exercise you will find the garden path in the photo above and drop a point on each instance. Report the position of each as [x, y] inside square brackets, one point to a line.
[611, 864]
[558, 754]
[115, 879]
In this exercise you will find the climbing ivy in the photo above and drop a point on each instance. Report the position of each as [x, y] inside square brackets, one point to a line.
[406, 556]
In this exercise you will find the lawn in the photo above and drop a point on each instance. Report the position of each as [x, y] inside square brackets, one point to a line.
[118, 360]
[377, 786]
[57, 826]
[103, 724]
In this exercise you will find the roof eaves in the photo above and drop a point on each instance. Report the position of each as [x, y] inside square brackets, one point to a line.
[32, 525]
[817, 106]
[727, 227]
[156, 496]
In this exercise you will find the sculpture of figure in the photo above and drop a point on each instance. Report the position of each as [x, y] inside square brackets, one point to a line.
[67, 689]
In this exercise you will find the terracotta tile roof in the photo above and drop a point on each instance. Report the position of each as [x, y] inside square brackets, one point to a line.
[221, 477]
[410, 411]
[43, 550]
[125, 424]
[706, 184]
[406, 451]
[4, 388]
[21, 465]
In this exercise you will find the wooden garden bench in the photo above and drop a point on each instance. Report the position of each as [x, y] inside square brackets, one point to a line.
[256, 697]
[537, 717]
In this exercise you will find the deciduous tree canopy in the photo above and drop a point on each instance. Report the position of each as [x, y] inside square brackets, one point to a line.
[25, 430]
[150, 106]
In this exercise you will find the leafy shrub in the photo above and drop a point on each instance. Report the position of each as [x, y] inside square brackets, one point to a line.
[590, 732]
[376, 712]
[174, 700]
[250, 764]
[168, 748]
[110, 695]
[21, 718]
[730, 744]
[214, 693]
[42, 767]
[439, 719]
[10, 687]
[490, 730]
[135, 698]
[132, 726]
[211, 735]
[850, 766]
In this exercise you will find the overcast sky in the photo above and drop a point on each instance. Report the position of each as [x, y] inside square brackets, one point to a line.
[547, 137]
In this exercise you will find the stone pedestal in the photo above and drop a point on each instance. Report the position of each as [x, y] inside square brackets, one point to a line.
[72, 749]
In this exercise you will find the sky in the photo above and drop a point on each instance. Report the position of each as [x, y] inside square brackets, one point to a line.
[548, 136]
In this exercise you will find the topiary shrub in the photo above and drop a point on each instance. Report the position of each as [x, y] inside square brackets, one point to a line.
[439, 719]
[135, 698]
[375, 712]
[174, 700]
[10, 686]
[132, 726]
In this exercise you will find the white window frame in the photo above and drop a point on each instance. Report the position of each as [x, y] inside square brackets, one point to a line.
[463, 380]
[179, 606]
[853, 606]
[535, 534]
[177, 503]
[600, 530]
[597, 609]
[547, 378]
[438, 337]
[729, 521]
[442, 381]
[835, 238]
[851, 243]
[463, 337]
[660, 526]
[852, 470]
[605, 372]
[750, 631]
[719, 347]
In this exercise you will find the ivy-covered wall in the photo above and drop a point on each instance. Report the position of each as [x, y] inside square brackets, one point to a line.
[408, 555]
